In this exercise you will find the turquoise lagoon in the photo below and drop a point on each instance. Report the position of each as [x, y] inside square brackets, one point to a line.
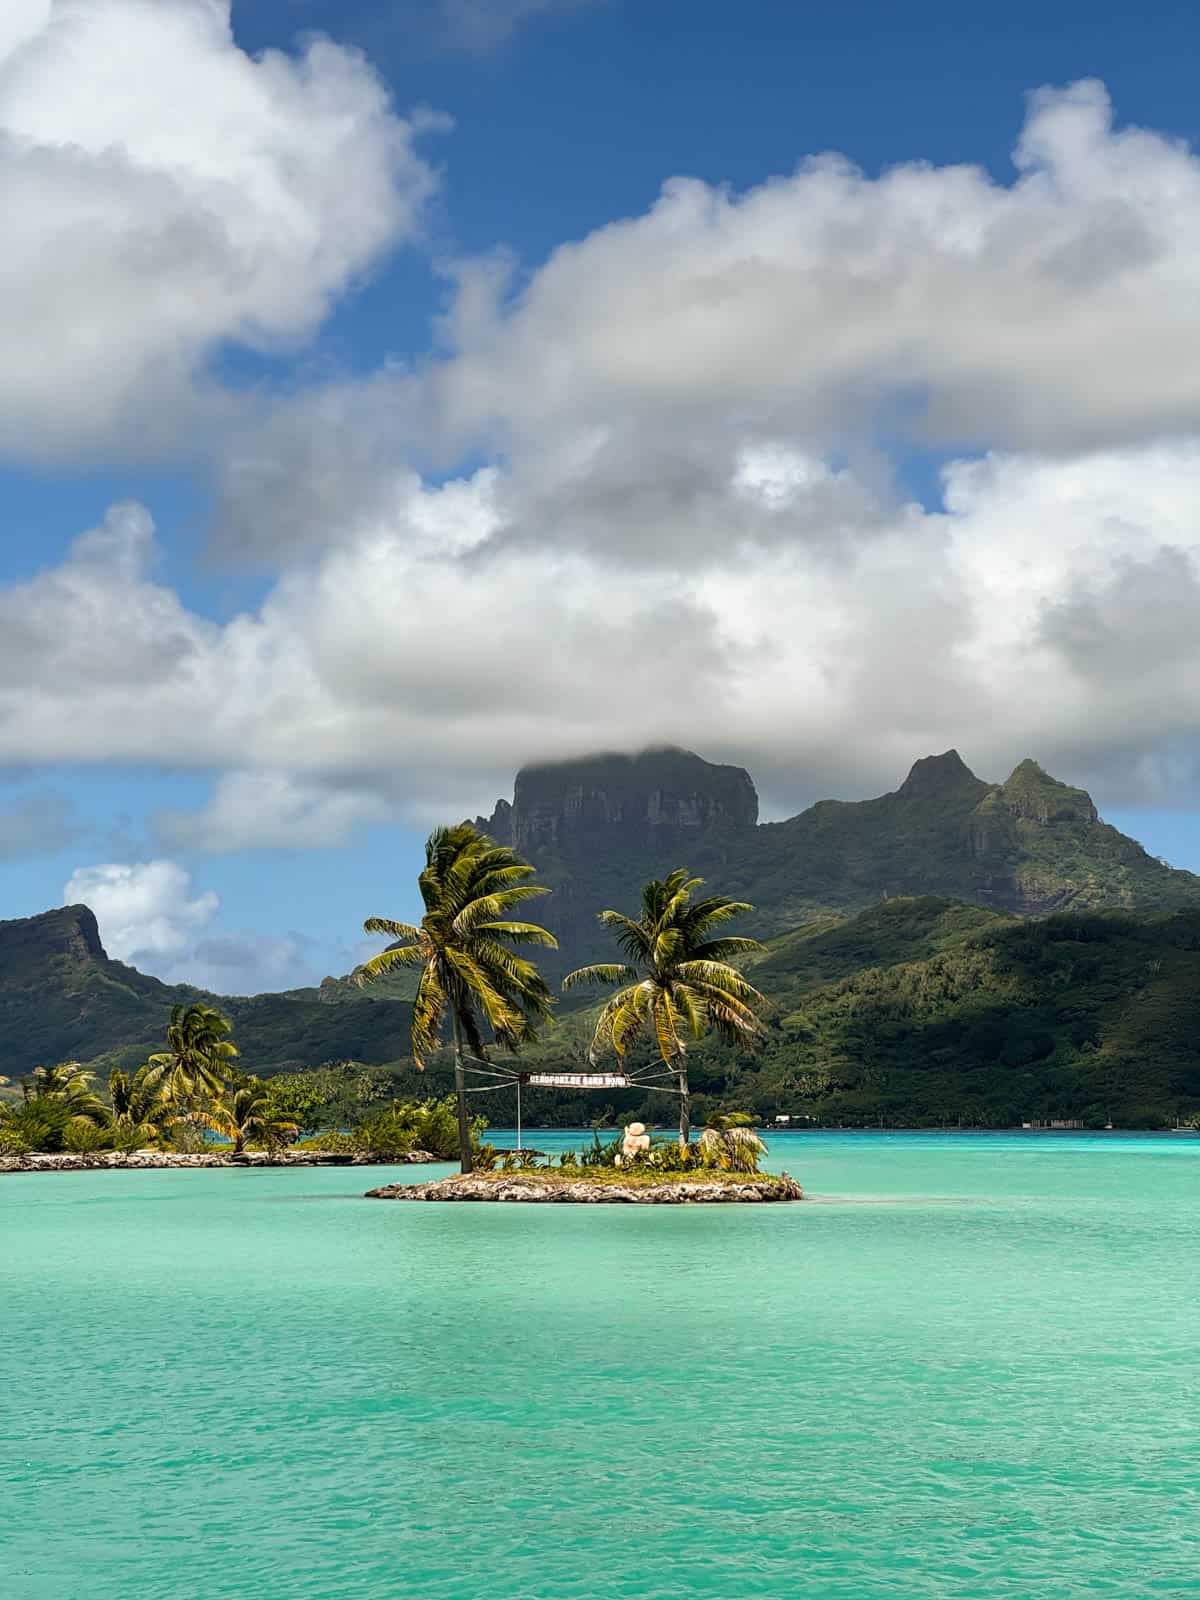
[971, 1369]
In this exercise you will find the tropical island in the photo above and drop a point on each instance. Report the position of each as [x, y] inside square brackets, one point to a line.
[955, 953]
[676, 980]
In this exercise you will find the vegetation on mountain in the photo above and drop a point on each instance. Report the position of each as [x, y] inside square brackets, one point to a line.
[1089, 1016]
[465, 950]
[676, 979]
[62, 997]
[599, 827]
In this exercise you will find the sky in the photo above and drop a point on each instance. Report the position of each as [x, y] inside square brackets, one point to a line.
[395, 393]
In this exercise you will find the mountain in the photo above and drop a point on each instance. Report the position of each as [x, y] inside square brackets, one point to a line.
[597, 828]
[999, 1020]
[62, 997]
[956, 947]
[914, 1011]
[924, 1010]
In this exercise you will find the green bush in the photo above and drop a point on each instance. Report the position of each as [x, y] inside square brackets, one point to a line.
[336, 1143]
[600, 1155]
[85, 1138]
[406, 1125]
[39, 1123]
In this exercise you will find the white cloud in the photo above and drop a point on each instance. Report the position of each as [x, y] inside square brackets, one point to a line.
[271, 810]
[405, 671]
[164, 192]
[686, 528]
[151, 918]
[1052, 312]
[145, 910]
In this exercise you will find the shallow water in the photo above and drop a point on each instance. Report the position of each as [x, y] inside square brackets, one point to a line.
[970, 1371]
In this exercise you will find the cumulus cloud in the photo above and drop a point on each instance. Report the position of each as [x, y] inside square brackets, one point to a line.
[151, 917]
[1054, 311]
[146, 910]
[164, 193]
[405, 671]
[685, 525]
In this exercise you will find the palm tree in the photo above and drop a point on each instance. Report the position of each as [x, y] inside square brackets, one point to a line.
[244, 1111]
[462, 946]
[197, 1052]
[68, 1083]
[676, 979]
[58, 1109]
[142, 1102]
[730, 1142]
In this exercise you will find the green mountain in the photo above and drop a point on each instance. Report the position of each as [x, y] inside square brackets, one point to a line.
[62, 997]
[954, 949]
[923, 1011]
[1089, 1015]
[597, 828]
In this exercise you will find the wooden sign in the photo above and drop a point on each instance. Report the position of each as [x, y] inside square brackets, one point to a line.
[576, 1080]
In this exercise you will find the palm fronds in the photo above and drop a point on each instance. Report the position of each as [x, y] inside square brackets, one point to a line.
[677, 981]
[465, 947]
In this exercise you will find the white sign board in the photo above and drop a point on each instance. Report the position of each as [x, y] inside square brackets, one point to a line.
[577, 1080]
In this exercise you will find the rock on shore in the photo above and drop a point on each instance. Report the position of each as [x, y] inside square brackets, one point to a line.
[527, 1186]
[147, 1160]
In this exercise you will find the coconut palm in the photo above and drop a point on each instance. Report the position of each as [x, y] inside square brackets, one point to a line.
[68, 1083]
[676, 980]
[58, 1110]
[143, 1105]
[730, 1142]
[198, 1052]
[243, 1112]
[469, 972]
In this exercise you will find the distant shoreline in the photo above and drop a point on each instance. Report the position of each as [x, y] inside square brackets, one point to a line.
[767, 1131]
[172, 1161]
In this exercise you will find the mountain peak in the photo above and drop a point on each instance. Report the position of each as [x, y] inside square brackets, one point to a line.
[938, 775]
[68, 931]
[656, 794]
[1029, 791]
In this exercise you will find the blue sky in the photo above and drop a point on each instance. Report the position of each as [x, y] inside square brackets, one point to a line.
[394, 364]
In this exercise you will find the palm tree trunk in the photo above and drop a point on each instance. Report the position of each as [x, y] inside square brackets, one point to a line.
[685, 1105]
[460, 1089]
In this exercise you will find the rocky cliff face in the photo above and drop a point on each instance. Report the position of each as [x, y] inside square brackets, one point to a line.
[657, 797]
[70, 932]
[597, 828]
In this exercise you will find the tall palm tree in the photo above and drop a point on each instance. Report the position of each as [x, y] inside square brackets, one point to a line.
[468, 970]
[198, 1052]
[676, 979]
[242, 1111]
